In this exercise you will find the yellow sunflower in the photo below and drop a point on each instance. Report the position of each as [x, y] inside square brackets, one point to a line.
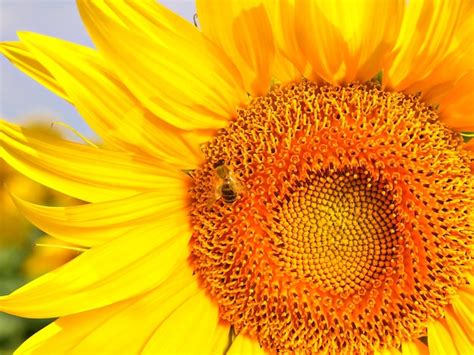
[288, 176]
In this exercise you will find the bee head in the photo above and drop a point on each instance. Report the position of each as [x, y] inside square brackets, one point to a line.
[219, 163]
[221, 169]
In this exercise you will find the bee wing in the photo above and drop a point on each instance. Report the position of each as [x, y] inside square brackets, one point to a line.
[239, 186]
[214, 195]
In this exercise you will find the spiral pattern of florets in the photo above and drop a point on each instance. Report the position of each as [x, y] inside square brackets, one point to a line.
[352, 226]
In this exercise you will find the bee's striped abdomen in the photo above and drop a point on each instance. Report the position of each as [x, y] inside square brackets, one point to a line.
[229, 195]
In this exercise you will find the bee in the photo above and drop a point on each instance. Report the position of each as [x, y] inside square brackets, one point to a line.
[227, 186]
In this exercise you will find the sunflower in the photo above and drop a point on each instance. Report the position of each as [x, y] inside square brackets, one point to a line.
[286, 176]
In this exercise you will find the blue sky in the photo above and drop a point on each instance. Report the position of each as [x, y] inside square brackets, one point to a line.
[20, 96]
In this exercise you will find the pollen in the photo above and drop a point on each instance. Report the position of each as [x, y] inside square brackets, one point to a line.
[352, 223]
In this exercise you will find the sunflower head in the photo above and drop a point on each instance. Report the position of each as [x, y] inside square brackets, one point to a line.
[339, 240]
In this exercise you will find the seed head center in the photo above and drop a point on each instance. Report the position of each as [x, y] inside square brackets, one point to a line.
[336, 230]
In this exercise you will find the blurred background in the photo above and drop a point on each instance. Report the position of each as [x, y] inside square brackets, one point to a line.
[25, 252]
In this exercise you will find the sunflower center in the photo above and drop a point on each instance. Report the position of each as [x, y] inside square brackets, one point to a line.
[334, 230]
[332, 218]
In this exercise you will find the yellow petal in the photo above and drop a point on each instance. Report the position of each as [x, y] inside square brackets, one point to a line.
[455, 63]
[414, 347]
[181, 77]
[449, 85]
[242, 29]
[440, 341]
[97, 223]
[106, 104]
[455, 104]
[87, 173]
[220, 338]
[245, 345]
[424, 42]
[459, 334]
[63, 334]
[348, 40]
[122, 268]
[129, 323]
[463, 312]
[290, 63]
[193, 328]
[27, 63]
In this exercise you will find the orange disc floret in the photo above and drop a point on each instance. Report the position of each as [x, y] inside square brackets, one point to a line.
[351, 229]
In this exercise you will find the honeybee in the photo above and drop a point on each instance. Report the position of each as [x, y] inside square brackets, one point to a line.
[227, 186]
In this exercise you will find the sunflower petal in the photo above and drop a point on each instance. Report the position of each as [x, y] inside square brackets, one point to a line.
[243, 30]
[290, 63]
[93, 175]
[27, 63]
[458, 333]
[463, 312]
[220, 339]
[449, 85]
[97, 223]
[61, 335]
[456, 62]
[182, 78]
[455, 104]
[424, 42]
[86, 332]
[440, 341]
[244, 345]
[107, 105]
[414, 347]
[342, 41]
[199, 329]
[136, 262]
